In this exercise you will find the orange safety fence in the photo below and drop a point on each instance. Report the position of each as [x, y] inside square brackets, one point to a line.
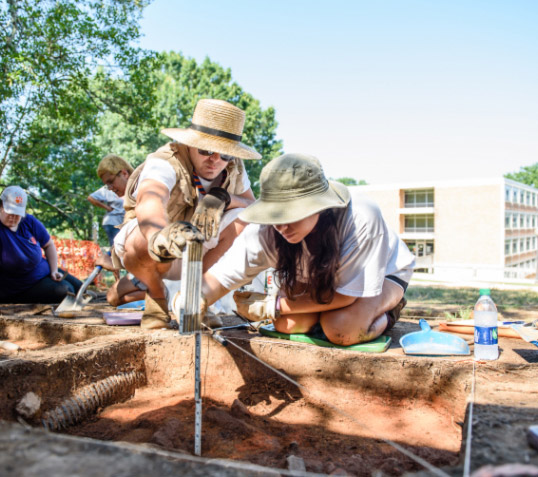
[78, 258]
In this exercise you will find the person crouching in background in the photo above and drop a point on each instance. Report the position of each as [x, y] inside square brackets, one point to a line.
[25, 275]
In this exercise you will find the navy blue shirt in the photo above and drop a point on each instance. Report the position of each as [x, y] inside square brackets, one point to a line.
[21, 260]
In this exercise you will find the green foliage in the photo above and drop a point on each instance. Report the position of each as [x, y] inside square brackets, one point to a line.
[63, 63]
[350, 181]
[467, 297]
[179, 83]
[527, 175]
[73, 88]
[50, 50]
[464, 313]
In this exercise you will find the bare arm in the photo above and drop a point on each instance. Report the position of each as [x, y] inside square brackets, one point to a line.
[98, 203]
[242, 200]
[212, 289]
[150, 208]
[52, 259]
[305, 304]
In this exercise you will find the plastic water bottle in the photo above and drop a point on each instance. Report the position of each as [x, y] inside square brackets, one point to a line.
[485, 327]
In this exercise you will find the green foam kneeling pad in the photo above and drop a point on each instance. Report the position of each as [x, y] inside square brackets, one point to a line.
[379, 345]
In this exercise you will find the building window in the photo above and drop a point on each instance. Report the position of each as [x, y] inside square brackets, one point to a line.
[514, 196]
[528, 198]
[507, 194]
[507, 247]
[521, 197]
[514, 246]
[418, 198]
[506, 221]
[514, 221]
[521, 221]
[419, 223]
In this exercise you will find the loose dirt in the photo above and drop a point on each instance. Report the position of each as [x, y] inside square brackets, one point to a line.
[250, 414]
[267, 433]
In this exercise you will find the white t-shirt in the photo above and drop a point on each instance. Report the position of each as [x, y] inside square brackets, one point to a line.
[108, 197]
[161, 171]
[369, 252]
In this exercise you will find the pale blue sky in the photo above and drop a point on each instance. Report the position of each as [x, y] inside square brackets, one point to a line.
[384, 91]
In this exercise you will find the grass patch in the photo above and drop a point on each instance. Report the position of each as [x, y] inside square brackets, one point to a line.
[462, 314]
[466, 297]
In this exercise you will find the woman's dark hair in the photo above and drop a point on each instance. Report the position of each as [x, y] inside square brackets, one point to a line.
[324, 247]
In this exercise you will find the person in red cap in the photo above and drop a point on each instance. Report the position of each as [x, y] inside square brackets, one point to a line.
[25, 275]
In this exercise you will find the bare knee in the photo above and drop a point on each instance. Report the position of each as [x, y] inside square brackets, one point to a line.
[343, 330]
[343, 338]
[112, 296]
[300, 323]
[147, 270]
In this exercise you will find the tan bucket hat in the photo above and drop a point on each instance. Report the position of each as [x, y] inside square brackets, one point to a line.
[216, 126]
[294, 187]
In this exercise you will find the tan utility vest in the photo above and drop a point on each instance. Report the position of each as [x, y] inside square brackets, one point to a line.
[183, 197]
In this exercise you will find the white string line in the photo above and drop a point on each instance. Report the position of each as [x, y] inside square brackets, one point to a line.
[249, 466]
[467, 462]
[398, 447]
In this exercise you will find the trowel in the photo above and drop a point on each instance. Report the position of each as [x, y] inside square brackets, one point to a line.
[433, 343]
[72, 303]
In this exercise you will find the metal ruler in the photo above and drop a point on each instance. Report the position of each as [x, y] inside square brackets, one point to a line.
[197, 394]
[190, 322]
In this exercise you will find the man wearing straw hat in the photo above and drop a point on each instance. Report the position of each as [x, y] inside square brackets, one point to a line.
[198, 178]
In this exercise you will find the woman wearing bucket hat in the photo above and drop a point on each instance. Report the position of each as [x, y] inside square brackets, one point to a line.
[199, 178]
[25, 276]
[336, 261]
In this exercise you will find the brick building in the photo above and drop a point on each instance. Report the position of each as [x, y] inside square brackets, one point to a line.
[468, 229]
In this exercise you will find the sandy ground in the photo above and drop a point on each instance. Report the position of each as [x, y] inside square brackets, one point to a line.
[256, 417]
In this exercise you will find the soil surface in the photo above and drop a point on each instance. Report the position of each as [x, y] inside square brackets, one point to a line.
[266, 421]
[265, 433]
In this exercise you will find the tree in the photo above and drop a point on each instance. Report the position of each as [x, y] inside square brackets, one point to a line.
[72, 89]
[49, 51]
[527, 175]
[350, 181]
[63, 64]
[179, 83]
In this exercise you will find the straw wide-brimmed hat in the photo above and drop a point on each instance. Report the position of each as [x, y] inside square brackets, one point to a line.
[216, 126]
[293, 187]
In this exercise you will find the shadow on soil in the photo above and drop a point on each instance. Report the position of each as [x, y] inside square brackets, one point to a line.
[231, 434]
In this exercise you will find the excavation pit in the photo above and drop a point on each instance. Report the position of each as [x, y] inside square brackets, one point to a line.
[138, 387]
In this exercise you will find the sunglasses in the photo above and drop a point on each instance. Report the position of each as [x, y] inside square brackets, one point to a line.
[224, 157]
[109, 182]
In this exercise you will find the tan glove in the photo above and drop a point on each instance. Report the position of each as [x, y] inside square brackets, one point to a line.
[256, 306]
[167, 244]
[209, 211]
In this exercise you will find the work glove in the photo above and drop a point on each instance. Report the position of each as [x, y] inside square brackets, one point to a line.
[256, 306]
[209, 211]
[209, 320]
[167, 244]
